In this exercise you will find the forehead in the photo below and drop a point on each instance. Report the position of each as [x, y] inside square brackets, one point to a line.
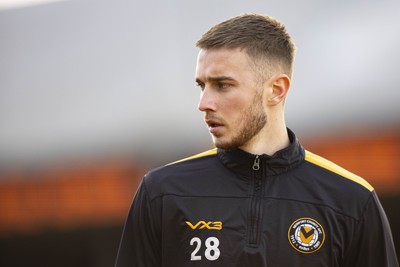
[222, 61]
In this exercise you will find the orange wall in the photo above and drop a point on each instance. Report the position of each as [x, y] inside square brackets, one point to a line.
[65, 198]
[372, 155]
[99, 194]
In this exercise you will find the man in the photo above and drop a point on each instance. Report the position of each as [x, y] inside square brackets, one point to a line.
[259, 198]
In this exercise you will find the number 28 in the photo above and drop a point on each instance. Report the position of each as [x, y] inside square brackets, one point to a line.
[211, 253]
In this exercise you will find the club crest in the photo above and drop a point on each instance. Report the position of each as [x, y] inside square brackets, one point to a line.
[306, 235]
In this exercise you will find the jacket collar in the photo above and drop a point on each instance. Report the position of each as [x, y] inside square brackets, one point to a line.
[282, 161]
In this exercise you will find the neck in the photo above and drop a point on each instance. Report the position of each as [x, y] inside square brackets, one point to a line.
[268, 141]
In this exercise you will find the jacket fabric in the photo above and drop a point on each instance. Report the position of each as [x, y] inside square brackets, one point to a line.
[231, 208]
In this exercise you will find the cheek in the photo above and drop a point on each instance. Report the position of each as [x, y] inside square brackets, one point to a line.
[234, 104]
[236, 112]
[233, 111]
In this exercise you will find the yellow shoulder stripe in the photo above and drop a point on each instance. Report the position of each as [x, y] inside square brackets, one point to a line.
[317, 160]
[203, 154]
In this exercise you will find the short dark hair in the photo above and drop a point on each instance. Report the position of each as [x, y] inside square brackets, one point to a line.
[261, 37]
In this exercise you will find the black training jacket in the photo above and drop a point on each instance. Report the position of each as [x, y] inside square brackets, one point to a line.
[230, 208]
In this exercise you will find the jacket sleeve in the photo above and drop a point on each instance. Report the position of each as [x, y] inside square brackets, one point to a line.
[140, 243]
[372, 244]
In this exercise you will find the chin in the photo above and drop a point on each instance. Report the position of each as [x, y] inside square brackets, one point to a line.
[223, 144]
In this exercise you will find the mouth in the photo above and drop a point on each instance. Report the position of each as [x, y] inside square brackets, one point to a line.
[214, 126]
[212, 123]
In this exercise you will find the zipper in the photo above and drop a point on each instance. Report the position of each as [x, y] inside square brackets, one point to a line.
[255, 203]
[256, 164]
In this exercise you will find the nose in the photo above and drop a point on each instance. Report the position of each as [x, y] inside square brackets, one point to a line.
[207, 101]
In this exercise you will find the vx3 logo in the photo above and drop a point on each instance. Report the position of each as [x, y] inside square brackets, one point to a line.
[205, 225]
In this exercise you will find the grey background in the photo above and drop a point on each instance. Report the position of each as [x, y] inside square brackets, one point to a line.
[81, 78]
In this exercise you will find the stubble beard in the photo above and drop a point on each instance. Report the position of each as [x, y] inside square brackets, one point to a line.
[252, 121]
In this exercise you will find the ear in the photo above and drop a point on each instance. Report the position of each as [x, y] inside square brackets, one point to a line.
[279, 85]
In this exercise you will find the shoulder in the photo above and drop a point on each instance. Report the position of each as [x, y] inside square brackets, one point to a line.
[165, 179]
[337, 170]
[331, 185]
[202, 155]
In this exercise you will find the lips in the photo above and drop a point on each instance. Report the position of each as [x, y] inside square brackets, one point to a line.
[213, 122]
[214, 125]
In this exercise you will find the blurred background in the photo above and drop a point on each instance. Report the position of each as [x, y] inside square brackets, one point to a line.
[95, 93]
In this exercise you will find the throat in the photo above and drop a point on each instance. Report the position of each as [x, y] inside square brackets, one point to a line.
[267, 144]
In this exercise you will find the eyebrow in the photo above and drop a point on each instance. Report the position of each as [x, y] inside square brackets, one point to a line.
[216, 79]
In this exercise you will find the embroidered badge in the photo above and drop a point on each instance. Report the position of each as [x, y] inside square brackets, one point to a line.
[306, 235]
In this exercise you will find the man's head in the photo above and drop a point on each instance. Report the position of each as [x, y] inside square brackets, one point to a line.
[244, 68]
[262, 38]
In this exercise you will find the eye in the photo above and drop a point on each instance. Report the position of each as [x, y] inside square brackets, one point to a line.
[222, 85]
[201, 85]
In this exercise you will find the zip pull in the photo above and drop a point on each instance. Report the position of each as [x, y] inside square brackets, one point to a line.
[256, 164]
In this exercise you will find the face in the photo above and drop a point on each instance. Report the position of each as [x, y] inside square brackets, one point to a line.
[231, 99]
